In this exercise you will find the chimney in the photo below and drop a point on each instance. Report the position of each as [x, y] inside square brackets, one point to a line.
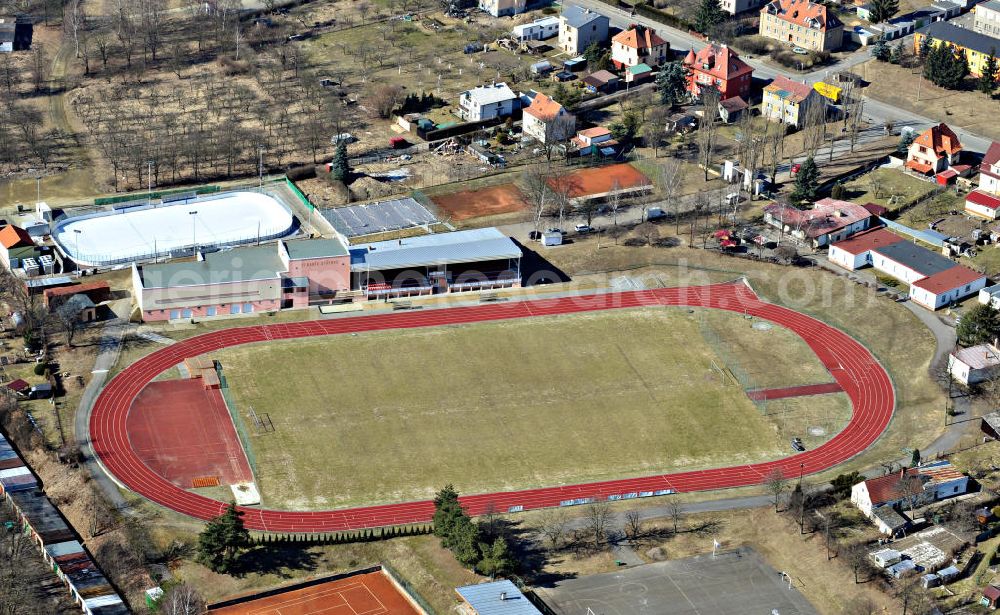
[503, 596]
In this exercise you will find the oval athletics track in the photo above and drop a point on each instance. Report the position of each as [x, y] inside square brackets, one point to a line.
[852, 366]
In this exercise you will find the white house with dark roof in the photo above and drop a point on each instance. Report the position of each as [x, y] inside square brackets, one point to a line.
[579, 27]
[933, 481]
[934, 280]
[487, 102]
[974, 364]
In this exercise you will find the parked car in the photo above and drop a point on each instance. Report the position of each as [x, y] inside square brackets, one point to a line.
[534, 235]
[797, 444]
[472, 48]
[556, 230]
[795, 168]
[346, 137]
[583, 228]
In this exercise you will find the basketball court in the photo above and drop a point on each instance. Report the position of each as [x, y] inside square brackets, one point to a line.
[371, 593]
[182, 430]
[735, 582]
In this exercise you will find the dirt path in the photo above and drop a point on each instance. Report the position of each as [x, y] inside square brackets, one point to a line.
[57, 104]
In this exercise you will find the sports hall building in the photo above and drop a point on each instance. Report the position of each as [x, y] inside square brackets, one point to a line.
[305, 272]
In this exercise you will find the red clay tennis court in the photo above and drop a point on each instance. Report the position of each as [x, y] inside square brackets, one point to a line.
[371, 593]
[502, 199]
[182, 431]
[601, 180]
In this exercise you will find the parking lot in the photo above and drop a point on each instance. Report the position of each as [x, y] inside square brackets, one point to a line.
[735, 582]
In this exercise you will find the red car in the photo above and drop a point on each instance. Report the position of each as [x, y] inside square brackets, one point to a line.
[795, 168]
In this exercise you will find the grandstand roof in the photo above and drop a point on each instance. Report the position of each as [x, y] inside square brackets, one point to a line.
[478, 245]
[238, 265]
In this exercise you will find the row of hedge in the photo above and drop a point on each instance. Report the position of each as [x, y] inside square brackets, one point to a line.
[340, 538]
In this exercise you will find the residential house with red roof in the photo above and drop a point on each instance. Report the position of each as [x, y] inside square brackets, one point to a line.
[547, 121]
[934, 280]
[638, 45]
[828, 221]
[15, 244]
[910, 487]
[985, 201]
[719, 67]
[593, 141]
[801, 23]
[789, 101]
[935, 150]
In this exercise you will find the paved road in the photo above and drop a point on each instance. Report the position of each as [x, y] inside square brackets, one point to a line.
[109, 345]
[876, 112]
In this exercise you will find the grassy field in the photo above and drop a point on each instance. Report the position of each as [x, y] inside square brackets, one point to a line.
[895, 188]
[393, 416]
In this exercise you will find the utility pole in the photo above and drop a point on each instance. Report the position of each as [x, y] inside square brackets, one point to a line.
[149, 179]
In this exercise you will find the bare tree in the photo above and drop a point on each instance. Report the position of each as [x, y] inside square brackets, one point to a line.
[911, 488]
[537, 192]
[552, 525]
[857, 559]
[675, 511]
[39, 66]
[182, 599]
[814, 124]
[708, 129]
[384, 98]
[775, 146]
[669, 180]
[649, 232]
[654, 130]
[855, 121]
[775, 483]
[633, 525]
[598, 519]
[614, 200]
[875, 184]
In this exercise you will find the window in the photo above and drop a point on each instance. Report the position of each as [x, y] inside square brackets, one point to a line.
[248, 308]
[211, 311]
[175, 314]
[234, 308]
[188, 313]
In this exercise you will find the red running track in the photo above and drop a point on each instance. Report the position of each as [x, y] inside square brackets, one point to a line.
[798, 391]
[852, 366]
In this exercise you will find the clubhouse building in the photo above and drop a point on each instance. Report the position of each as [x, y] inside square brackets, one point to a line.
[306, 272]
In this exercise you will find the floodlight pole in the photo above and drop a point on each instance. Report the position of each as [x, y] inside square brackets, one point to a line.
[76, 237]
[194, 230]
[38, 189]
[149, 180]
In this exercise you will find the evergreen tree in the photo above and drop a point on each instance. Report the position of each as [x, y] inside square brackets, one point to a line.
[222, 540]
[881, 51]
[905, 140]
[988, 80]
[806, 182]
[598, 58]
[709, 13]
[881, 10]
[925, 48]
[464, 541]
[671, 83]
[626, 128]
[896, 57]
[559, 93]
[979, 325]
[934, 63]
[497, 559]
[447, 511]
[340, 168]
[946, 68]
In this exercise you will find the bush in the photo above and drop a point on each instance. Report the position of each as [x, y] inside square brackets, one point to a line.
[40, 369]
[301, 172]
[753, 44]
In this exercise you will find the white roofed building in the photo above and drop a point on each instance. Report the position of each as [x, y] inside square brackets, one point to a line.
[487, 102]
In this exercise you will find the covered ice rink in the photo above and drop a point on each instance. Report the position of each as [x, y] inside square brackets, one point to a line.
[143, 231]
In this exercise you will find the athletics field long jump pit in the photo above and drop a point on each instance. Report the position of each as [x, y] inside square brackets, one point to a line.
[338, 412]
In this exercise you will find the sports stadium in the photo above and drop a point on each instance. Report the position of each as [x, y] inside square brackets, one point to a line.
[522, 405]
[149, 229]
